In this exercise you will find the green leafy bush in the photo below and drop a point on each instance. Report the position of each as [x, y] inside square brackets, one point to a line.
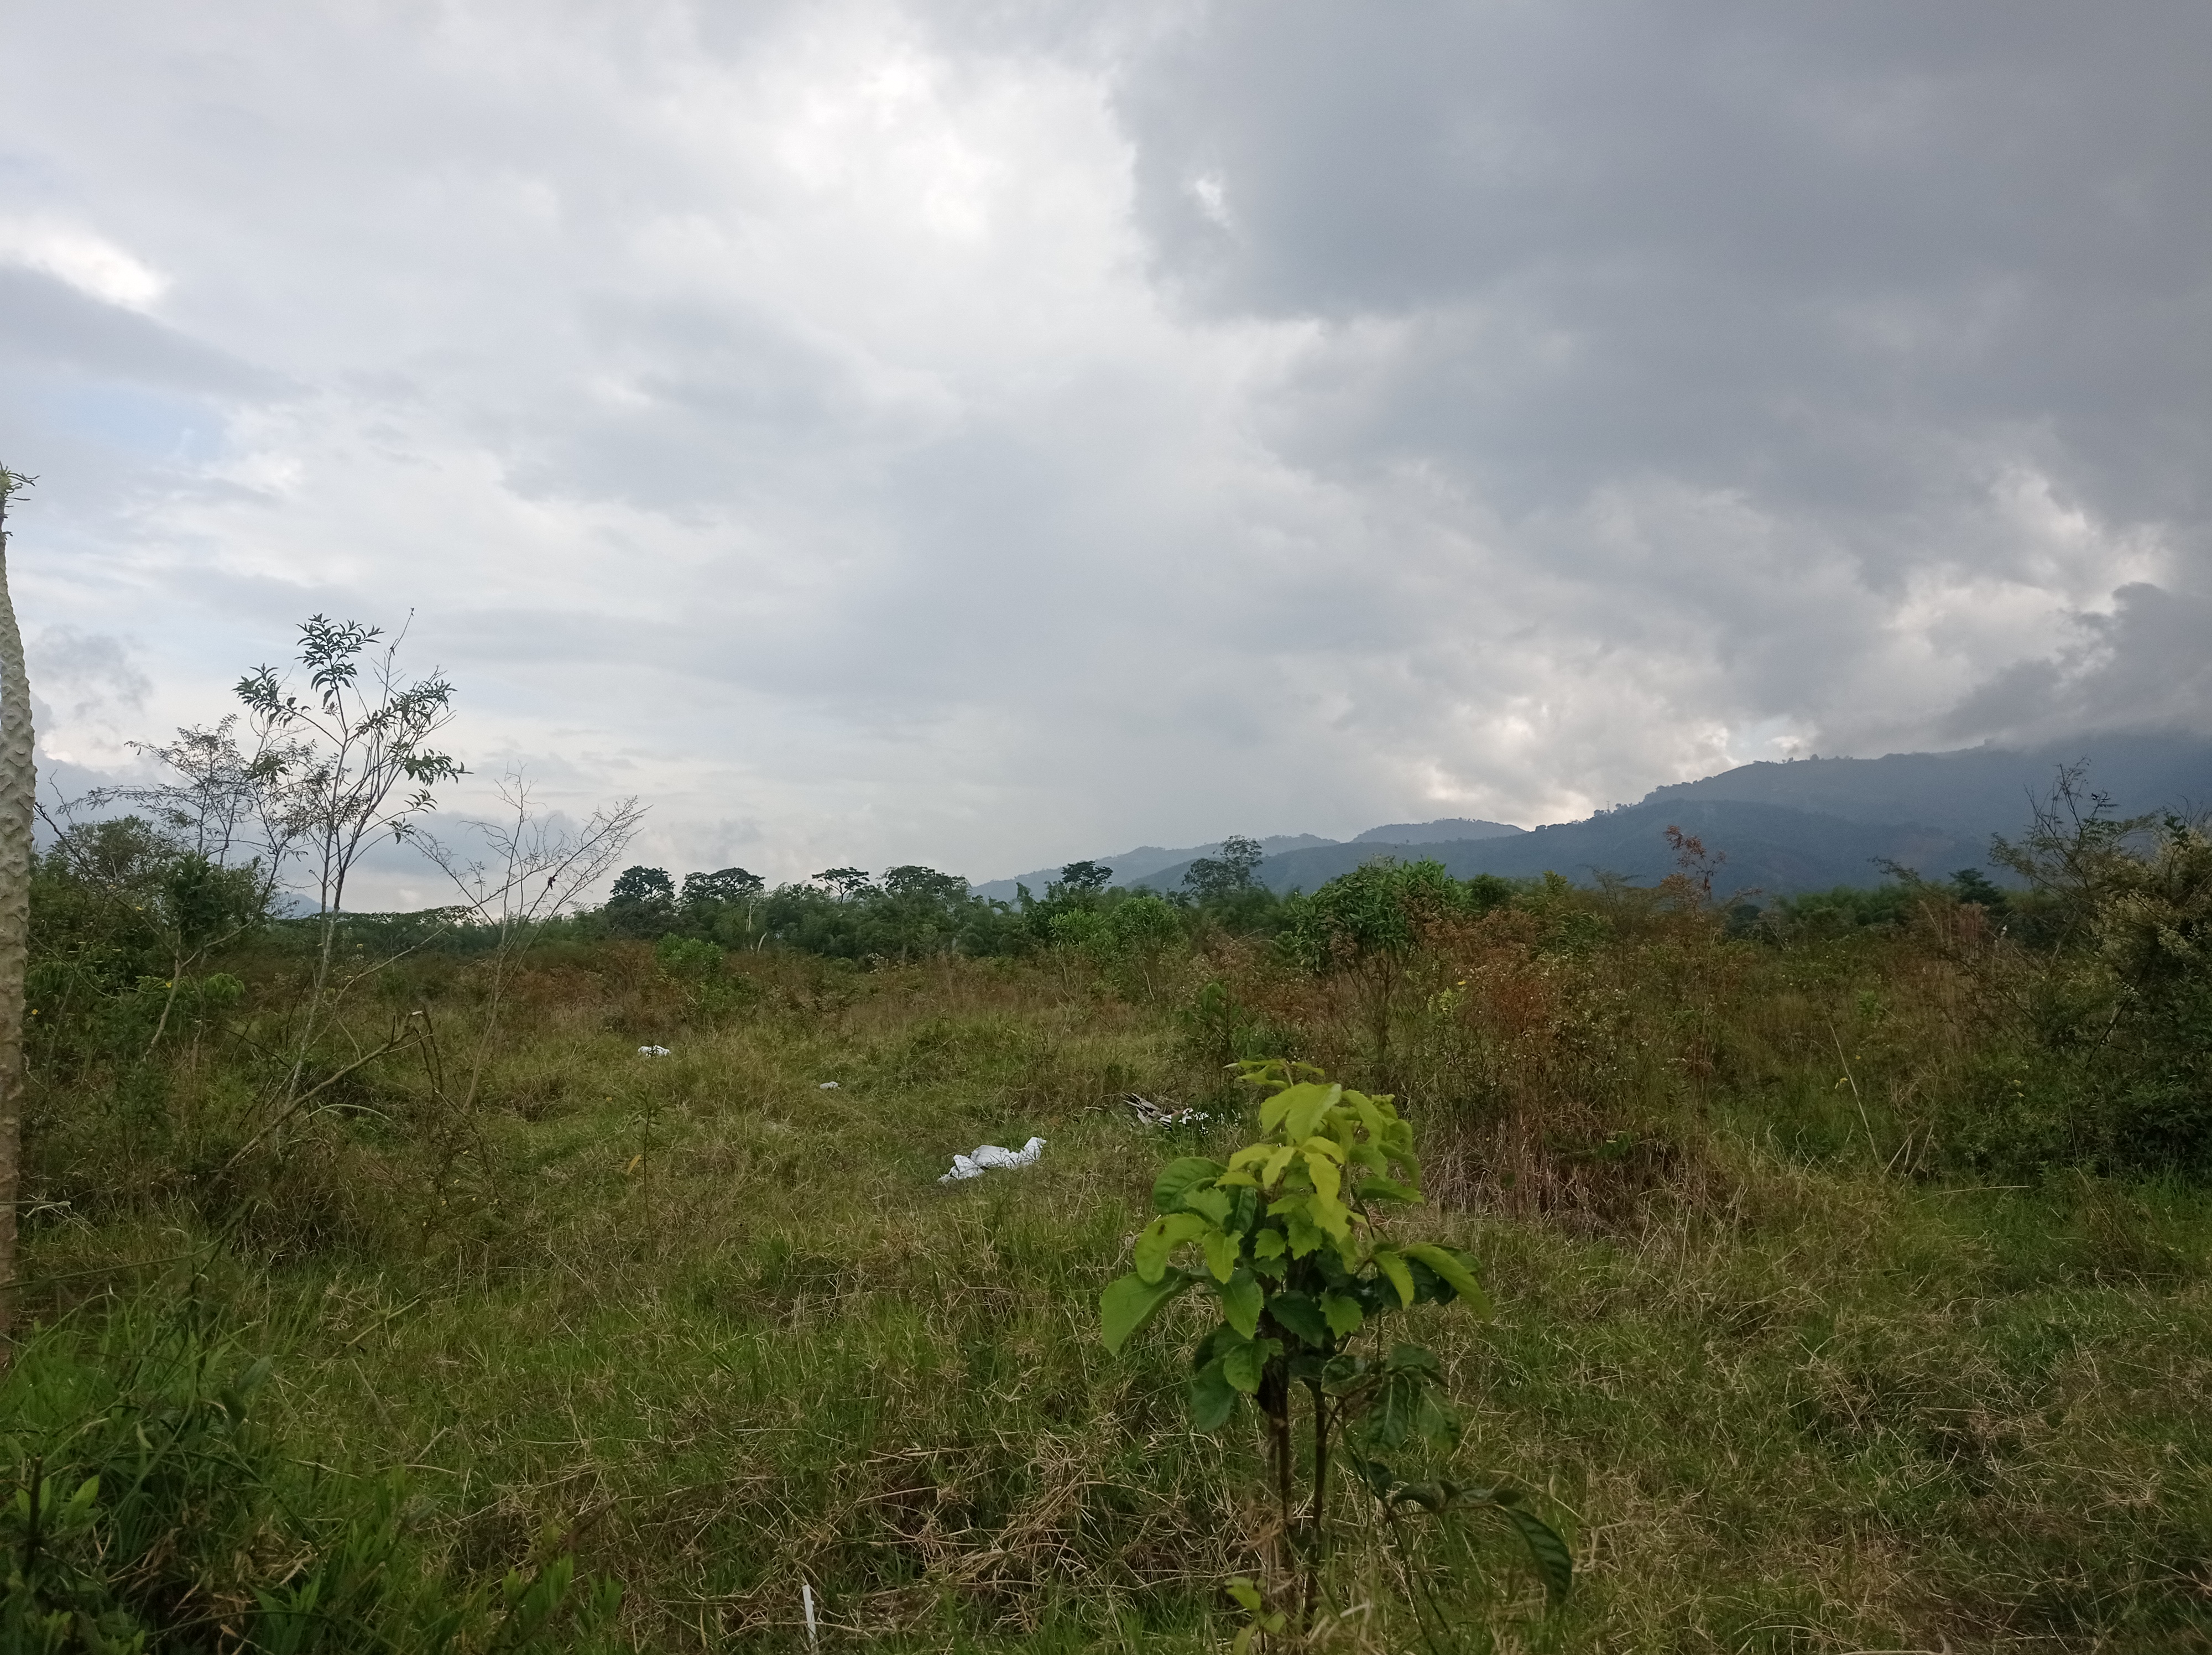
[689, 959]
[2115, 1072]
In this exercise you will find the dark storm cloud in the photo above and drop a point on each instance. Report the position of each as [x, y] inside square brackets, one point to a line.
[2145, 664]
[51, 328]
[1841, 256]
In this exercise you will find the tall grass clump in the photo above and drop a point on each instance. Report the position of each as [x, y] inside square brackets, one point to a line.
[152, 1505]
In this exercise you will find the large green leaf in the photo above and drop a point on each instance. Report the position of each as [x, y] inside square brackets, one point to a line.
[1213, 1399]
[1344, 1371]
[1333, 1216]
[1554, 1563]
[1244, 1366]
[1219, 1342]
[1394, 1269]
[1327, 1178]
[1343, 1314]
[1275, 1107]
[1413, 1359]
[1378, 1476]
[1178, 1177]
[1130, 1301]
[1242, 1163]
[1161, 1237]
[1433, 1420]
[1301, 1316]
[1305, 1234]
[1244, 1211]
[1397, 1405]
[1375, 1187]
[1453, 1266]
[1212, 1202]
[1221, 1250]
[1303, 1108]
[1242, 1301]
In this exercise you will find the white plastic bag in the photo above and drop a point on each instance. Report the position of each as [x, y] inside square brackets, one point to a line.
[989, 1156]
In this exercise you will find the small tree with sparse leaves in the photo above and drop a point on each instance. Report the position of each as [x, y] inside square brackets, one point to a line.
[1291, 1238]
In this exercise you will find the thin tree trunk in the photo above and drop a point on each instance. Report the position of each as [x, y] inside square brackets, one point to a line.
[1316, 1535]
[1274, 1400]
[18, 792]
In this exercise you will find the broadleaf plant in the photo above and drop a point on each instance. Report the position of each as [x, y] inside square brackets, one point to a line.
[1289, 1237]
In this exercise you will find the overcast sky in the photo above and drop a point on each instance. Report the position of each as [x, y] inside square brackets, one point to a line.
[983, 434]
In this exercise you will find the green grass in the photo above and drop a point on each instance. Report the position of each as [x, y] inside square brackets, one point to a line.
[724, 1332]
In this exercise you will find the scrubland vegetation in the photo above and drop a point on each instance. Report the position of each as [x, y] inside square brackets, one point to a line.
[1848, 1259]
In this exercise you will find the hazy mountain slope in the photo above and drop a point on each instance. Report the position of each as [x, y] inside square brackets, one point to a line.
[1975, 792]
[1767, 847]
[1130, 866]
[1796, 826]
[1434, 833]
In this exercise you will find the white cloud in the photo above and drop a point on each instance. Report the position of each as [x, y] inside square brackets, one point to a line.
[86, 260]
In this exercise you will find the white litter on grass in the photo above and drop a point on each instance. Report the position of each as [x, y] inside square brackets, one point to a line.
[1151, 1113]
[654, 1051]
[987, 1156]
[827, 1085]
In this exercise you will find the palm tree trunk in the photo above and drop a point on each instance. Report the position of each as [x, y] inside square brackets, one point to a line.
[18, 792]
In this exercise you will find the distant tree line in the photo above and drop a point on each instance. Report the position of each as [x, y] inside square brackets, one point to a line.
[912, 912]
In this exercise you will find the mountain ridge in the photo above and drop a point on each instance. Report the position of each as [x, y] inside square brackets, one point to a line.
[1783, 826]
[1769, 848]
[1131, 866]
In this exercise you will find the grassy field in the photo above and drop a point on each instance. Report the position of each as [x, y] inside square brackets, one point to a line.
[1788, 1376]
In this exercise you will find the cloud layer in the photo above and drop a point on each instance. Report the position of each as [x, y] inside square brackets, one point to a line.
[881, 434]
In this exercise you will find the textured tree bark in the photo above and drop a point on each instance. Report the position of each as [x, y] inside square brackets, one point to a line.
[18, 785]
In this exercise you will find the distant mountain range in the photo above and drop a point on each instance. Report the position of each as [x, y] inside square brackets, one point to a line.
[1135, 867]
[1434, 833]
[1769, 847]
[1975, 792]
[1804, 826]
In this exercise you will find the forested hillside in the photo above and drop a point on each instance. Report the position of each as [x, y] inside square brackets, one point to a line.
[1975, 792]
[1769, 850]
[1787, 828]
